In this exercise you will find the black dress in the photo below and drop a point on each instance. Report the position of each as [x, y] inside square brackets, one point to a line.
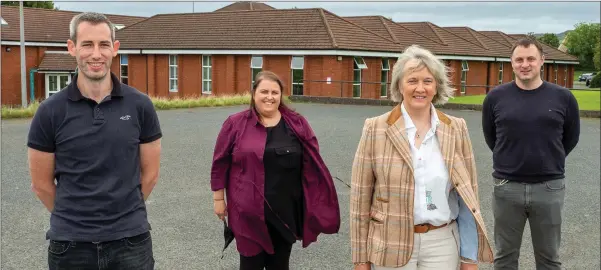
[283, 159]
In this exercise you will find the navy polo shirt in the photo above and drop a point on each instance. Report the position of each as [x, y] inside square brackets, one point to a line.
[97, 161]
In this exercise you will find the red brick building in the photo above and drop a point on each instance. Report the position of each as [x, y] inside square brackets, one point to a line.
[46, 33]
[315, 52]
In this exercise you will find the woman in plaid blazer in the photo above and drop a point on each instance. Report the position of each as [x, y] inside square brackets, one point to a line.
[414, 193]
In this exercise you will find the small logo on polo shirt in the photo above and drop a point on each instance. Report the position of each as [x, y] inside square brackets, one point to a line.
[125, 117]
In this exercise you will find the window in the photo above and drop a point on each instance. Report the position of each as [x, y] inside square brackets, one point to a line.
[359, 64]
[555, 68]
[565, 76]
[118, 26]
[56, 82]
[3, 22]
[500, 72]
[124, 69]
[385, 70]
[256, 65]
[542, 72]
[464, 69]
[172, 73]
[207, 75]
[297, 65]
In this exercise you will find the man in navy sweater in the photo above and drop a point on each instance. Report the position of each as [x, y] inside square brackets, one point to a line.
[531, 126]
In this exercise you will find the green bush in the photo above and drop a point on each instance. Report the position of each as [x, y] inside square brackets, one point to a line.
[596, 81]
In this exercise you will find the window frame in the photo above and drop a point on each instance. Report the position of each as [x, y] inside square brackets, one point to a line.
[384, 80]
[501, 72]
[294, 69]
[126, 65]
[209, 78]
[464, 69]
[253, 68]
[358, 65]
[171, 75]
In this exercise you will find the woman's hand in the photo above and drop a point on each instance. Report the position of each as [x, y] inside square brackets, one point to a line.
[220, 208]
[365, 266]
[469, 266]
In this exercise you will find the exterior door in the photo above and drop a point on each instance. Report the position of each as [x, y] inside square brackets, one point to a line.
[56, 82]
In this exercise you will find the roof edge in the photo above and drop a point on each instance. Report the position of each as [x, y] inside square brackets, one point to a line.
[472, 32]
[77, 12]
[328, 28]
[431, 25]
[394, 38]
[356, 25]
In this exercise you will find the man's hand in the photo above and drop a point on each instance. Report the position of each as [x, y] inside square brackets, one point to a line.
[469, 266]
[150, 162]
[41, 169]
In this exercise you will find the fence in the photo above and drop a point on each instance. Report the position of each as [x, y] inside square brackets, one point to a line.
[366, 89]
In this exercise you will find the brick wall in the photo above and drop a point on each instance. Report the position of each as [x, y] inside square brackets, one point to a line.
[11, 73]
[242, 74]
[138, 72]
[162, 76]
[280, 65]
[190, 78]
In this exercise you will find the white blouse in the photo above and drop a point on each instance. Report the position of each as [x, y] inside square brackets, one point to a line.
[434, 202]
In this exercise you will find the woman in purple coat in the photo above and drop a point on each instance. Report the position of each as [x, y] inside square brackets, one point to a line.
[277, 187]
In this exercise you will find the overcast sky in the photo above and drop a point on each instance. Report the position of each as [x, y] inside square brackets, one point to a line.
[509, 17]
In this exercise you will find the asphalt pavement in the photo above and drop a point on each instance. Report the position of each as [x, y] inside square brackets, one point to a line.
[187, 235]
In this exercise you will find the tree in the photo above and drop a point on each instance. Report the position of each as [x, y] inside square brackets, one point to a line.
[549, 39]
[531, 35]
[33, 4]
[597, 57]
[581, 42]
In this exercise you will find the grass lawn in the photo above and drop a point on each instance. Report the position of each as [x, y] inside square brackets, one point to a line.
[159, 104]
[587, 100]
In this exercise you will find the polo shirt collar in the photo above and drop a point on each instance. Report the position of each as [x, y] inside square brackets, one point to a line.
[75, 94]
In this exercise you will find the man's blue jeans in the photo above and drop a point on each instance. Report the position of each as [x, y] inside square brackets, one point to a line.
[133, 253]
[542, 205]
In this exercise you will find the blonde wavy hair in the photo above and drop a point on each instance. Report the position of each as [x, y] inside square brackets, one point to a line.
[427, 59]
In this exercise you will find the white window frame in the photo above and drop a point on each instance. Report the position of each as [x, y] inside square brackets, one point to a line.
[293, 67]
[384, 80]
[360, 64]
[565, 76]
[542, 72]
[121, 65]
[555, 68]
[57, 75]
[173, 77]
[209, 78]
[501, 72]
[253, 67]
[464, 69]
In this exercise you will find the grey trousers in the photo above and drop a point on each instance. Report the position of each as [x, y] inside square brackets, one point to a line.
[542, 205]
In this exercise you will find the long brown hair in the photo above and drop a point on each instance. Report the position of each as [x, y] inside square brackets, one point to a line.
[270, 76]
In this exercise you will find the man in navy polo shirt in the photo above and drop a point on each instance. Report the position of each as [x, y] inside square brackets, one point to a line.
[100, 140]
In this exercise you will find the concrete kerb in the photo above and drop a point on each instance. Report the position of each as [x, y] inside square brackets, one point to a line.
[387, 102]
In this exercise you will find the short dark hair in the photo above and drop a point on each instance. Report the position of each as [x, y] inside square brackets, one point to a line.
[526, 42]
[270, 76]
[91, 17]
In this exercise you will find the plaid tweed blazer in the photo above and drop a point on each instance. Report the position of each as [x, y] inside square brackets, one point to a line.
[382, 188]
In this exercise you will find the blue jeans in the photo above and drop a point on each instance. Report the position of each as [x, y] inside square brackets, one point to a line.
[541, 205]
[132, 253]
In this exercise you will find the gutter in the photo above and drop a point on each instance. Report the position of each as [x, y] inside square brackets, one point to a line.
[32, 84]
